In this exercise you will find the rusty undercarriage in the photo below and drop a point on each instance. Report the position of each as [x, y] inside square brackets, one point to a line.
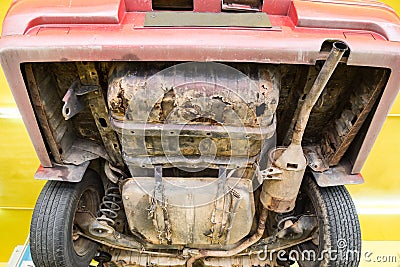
[200, 133]
[198, 140]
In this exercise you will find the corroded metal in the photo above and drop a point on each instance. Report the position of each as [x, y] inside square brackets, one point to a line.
[237, 249]
[72, 103]
[135, 259]
[58, 172]
[339, 48]
[95, 99]
[103, 233]
[43, 112]
[187, 205]
[296, 233]
[280, 195]
[158, 210]
[65, 139]
[316, 160]
[338, 175]
[205, 110]
[339, 137]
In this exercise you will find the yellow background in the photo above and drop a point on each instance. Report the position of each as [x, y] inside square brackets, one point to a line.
[378, 200]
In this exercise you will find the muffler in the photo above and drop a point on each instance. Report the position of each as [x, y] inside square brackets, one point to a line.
[287, 165]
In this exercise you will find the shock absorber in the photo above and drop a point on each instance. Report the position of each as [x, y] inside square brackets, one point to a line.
[110, 205]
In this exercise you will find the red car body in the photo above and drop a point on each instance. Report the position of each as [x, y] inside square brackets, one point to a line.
[48, 31]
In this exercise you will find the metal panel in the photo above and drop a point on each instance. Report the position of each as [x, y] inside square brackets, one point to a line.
[188, 19]
[339, 175]
[70, 173]
[189, 203]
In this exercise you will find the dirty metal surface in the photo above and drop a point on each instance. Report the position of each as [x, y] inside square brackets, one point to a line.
[191, 205]
[339, 137]
[347, 82]
[93, 229]
[338, 175]
[84, 150]
[40, 108]
[188, 162]
[193, 110]
[188, 19]
[197, 130]
[281, 187]
[73, 104]
[279, 195]
[300, 231]
[316, 160]
[70, 173]
[135, 259]
[97, 104]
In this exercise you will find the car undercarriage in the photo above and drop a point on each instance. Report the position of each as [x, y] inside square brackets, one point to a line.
[200, 138]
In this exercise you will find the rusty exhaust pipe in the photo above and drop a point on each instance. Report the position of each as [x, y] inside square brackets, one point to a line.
[336, 54]
[288, 164]
[229, 253]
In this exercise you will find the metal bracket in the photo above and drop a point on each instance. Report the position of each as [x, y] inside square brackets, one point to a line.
[316, 160]
[97, 105]
[64, 173]
[72, 103]
[338, 175]
[271, 174]
[158, 210]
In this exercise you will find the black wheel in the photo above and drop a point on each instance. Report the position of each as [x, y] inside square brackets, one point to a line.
[53, 237]
[337, 241]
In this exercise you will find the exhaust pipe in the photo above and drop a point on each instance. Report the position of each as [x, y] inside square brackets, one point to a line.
[229, 253]
[288, 164]
[336, 54]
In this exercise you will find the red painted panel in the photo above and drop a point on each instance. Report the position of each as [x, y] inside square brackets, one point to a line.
[138, 5]
[276, 7]
[24, 14]
[347, 15]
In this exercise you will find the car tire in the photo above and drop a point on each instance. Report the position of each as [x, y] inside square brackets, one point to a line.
[337, 241]
[52, 227]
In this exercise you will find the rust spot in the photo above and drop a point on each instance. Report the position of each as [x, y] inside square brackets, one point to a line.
[167, 104]
[119, 104]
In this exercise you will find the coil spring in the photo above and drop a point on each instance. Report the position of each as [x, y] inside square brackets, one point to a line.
[110, 205]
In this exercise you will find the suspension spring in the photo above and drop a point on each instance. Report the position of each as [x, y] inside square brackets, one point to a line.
[110, 205]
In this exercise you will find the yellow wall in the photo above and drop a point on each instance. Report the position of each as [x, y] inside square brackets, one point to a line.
[378, 200]
[18, 189]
